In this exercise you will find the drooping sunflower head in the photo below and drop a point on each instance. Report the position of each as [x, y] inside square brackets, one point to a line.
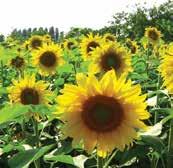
[110, 56]
[35, 42]
[27, 91]
[132, 46]
[109, 37]
[48, 58]
[17, 62]
[88, 44]
[70, 44]
[105, 114]
[152, 34]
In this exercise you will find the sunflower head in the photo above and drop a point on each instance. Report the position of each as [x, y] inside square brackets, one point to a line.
[109, 37]
[27, 91]
[88, 44]
[110, 56]
[47, 59]
[17, 62]
[35, 42]
[70, 44]
[47, 38]
[132, 46]
[153, 34]
[166, 69]
[105, 113]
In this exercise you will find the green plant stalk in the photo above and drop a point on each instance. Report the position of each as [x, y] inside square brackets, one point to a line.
[147, 67]
[99, 162]
[2, 73]
[74, 66]
[36, 133]
[170, 147]
[170, 143]
[157, 101]
[110, 159]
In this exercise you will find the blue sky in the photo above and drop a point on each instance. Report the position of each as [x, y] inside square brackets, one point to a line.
[62, 13]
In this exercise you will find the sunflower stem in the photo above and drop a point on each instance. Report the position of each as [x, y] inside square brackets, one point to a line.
[2, 73]
[36, 133]
[110, 159]
[157, 101]
[74, 66]
[147, 61]
[99, 162]
[170, 144]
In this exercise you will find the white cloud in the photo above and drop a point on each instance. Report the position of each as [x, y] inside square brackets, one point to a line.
[61, 13]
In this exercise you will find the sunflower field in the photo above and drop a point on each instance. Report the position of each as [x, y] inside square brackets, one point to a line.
[90, 98]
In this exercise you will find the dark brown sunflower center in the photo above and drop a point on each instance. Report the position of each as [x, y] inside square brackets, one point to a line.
[29, 96]
[70, 45]
[153, 35]
[36, 43]
[48, 59]
[102, 114]
[92, 45]
[110, 38]
[17, 62]
[111, 59]
[133, 49]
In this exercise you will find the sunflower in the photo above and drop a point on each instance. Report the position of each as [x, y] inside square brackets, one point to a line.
[47, 59]
[18, 62]
[47, 38]
[109, 37]
[110, 56]
[165, 68]
[88, 44]
[132, 46]
[35, 42]
[27, 91]
[153, 34]
[70, 44]
[105, 114]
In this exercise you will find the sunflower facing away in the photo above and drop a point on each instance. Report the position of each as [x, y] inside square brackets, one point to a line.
[132, 46]
[166, 69]
[35, 42]
[27, 91]
[88, 44]
[110, 56]
[152, 34]
[109, 37]
[47, 58]
[105, 114]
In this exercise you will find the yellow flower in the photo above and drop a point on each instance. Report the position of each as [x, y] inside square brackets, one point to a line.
[166, 69]
[110, 56]
[47, 59]
[88, 44]
[109, 37]
[47, 38]
[18, 62]
[35, 42]
[132, 46]
[27, 91]
[70, 44]
[153, 34]
[105, 114]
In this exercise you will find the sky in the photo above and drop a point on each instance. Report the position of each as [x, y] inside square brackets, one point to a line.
[62, 13]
